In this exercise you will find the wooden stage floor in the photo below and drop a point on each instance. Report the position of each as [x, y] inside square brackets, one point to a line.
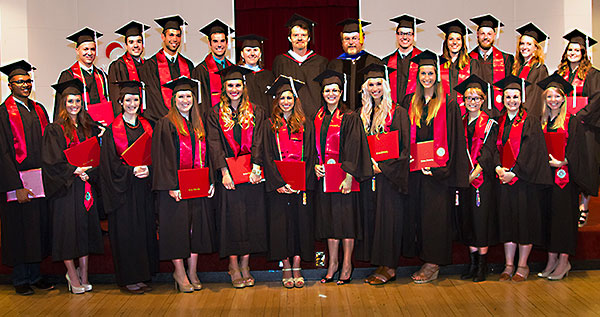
[577, 294]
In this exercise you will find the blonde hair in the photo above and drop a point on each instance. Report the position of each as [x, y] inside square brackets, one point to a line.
[476, 90]
[560, 120]
[537, 58]
[418, 101]
[246, 117]
[381, 111]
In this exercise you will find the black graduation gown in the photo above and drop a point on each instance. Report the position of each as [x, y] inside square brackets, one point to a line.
[25, 227]
[534, 102]
[520, 217]
[383, 210]
[402, 69]
[241, 213]
[155, 105]
[129, 204]
[338, 215]
[477, 224]
[453, 75]
[484, 68]
[428, 222]
[355, 80]
[117, 71]
[562, 210]
[290, 216]
[187, 226]
[75, 230]
[310, 94]
[256, 84]
[90, 86]
[200, 73]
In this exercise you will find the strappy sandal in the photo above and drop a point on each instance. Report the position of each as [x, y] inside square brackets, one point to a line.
[373, 276]
[583, 218]
[382, 278]
[427, 274]
[237, 283]
[507, 274]
[288, 282]
[520, 277]
[298, 281]
[250, 280]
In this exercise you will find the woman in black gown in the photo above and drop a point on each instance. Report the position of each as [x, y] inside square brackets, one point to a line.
[291, 210]
[235, 129]
[75, 223]
[186, 225]
[128, 200]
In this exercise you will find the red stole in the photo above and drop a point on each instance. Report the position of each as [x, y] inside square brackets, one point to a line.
[100, 85]
[463, 74]
[131, 69]
[120, 135]
[440, 134]
[525, 71]
[88, 198]
[246, 146]
[186, 160]
[561, 177]
[577, 83]
[311, 54]
[516, 131]
[477, 142]
[413, 69]
[497, 73]
[164, 74]
[332, 144]
[16, 126]
[290, 144]
[214, 78]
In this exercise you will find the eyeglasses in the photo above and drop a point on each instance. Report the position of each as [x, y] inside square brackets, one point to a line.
[405, 33]
[351, 39]
[21, 82]
[473, 99]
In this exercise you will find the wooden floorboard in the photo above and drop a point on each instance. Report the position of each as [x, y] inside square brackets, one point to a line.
[576, 295]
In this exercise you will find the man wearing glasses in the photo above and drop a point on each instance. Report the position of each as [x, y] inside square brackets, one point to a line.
[353, 60]
[404, 80]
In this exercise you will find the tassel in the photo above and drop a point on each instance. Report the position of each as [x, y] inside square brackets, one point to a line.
[456, 199]
[439, 76]
[574, 96]
[387, 75]
[490, 96]
[304, 198]
[415, 29]
[523, 89]
[293, 86]
[546, 45]
[373, 184]
[477, 198]
[143, 96]
[361, 36]
[345, 84]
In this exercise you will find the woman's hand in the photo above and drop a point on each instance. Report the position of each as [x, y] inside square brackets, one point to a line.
[320, 171]
[176, 194]
[141, 171]
[285, 189]
[102, 130]
[499, 171]
[346, 186]
[81, 172]
[255, 175]
[376, 168]
[507, 176]
[211, 191]
[475, 173]
[556, 163]
[426, 171]
[226, 179]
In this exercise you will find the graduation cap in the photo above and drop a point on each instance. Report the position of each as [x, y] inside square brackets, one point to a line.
[328, 77]
[298, 20]
[407, 21]
[69, 87]
[233, 72]
[376, 71]
[250, 40]
[557, 81]
[513, 82]
[532, 30]
[84, 35]
[216, 26]
[429, 58]
[131, 87]
[171, 22]
[487, 20]
[454, 26]
[580, 38]
[133, 28]
[285, 83]
[181, 83]
[21, 67]
[475, 81]
[353, 25]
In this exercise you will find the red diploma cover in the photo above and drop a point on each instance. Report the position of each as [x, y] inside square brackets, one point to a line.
[240, 168]
[384, 146]
[193, 182]
[334, 176]
[139, 153]
[580, 103]
[422, 156]
[86, 153]
[508, 156]
[102, 112]
[32, 180]
[555, 142]
[293, 173]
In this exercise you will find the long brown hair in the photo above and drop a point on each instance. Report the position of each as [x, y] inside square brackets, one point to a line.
[537, 59]
[463, 55]
[296, 120]
[246, 117]
[560, 120]
[418, 102]
[584, 64]
[242, 62]
[341, 104]
[177, 119]
[83, 119]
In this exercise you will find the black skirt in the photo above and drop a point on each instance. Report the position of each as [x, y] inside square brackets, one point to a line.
[337, 215]
[478, 225]
[519, 213]
[561, 217]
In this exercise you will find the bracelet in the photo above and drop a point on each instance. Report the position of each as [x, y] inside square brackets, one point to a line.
[256, 172]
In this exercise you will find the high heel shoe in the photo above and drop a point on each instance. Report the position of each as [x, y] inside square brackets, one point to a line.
[298, 281]
[237, 283]
[250, 280]
[557, 276]
[195, 282]
[87, 287]
[545, 274]
[325, 279]
[288, 282]
[341, 281]
[184, 288]
[520, 277]
[74, 289]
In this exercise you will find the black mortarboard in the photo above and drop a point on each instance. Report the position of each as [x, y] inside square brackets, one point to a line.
[181, 83]
[21, 67]
[532, 30]
[428, 57]
[407, 21]
[301, 21]
[216, 26]
[250, 40]
[454, 26]
[511, 82]
[555, 80]
[133, 28]
[375, 71]
[233, 72]
[487, 20]
[351, 25]
[328, 77]
[69, 87]
[580, 38]
[84, 35]
[171, 22]
[284, 83]
[131, 87]
[472, 81]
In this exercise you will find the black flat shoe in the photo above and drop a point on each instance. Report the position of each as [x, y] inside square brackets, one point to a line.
[24, 289]
[44, 285]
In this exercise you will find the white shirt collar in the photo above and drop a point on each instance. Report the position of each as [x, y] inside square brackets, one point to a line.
[299, 58]
[21, 103]
[409, 53]
[485, 55]
[169, 56]
[87, 69]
